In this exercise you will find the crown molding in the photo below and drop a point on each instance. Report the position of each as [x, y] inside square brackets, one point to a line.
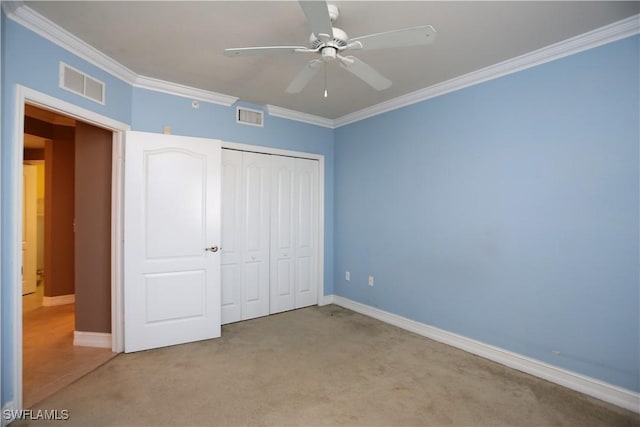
[40, 25]
[182, 90]
[299, 116]
[27, 17]
[30, 19]
[607, 34]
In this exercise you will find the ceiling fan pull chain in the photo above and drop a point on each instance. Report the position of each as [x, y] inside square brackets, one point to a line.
[325, 80]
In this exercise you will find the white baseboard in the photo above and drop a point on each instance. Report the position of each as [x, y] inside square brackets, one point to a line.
[92, 339]
[59, 300]
[9, 413]
[326, 300]
[610, 393]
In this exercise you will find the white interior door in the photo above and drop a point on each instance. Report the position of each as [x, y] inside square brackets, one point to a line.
[171, 239]
[232, 226]
[29, 229]
[282, 234]
[306, 219]
[255, 289]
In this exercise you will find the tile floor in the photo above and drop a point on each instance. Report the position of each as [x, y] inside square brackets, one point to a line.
[50, 360]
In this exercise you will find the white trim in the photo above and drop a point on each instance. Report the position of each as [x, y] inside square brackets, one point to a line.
[15, 206]
[92, 339]
[327, 299]
[610, 393]
[268, 150]
[117, 243]
[58, 300]
[178, 89]
[37, 23]
[321, 184]
[32, 20]
[299, 116]
[12, 408]
[31, 96]
[27, 95]
[607, 34]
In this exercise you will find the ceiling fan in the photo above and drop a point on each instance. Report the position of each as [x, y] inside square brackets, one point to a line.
[331, 42]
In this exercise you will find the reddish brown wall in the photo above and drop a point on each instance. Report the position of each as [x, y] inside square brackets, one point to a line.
[33, 154]
[93, 228]
[59, 212]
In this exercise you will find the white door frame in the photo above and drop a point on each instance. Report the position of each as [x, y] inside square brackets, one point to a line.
[320, 158]
[30, 96]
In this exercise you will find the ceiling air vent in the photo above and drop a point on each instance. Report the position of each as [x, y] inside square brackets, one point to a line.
[81, 84]
[247, 116]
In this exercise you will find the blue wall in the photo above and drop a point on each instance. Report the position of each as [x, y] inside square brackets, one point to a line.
[506, 212]
[32, 61]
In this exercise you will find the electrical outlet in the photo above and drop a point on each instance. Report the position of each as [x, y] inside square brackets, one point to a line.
[347, 276]
[370, 280]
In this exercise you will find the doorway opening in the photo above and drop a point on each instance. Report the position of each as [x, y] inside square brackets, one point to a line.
[15, 151]
[66, 254]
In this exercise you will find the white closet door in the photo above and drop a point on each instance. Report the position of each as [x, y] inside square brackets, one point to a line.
[255, 289]
[306, 231]
[282, 234]
[232, 225]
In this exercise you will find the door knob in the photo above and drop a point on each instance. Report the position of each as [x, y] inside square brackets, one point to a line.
[212, 249]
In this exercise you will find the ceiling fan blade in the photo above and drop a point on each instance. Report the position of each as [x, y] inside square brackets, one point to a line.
[304, 76]
[364, 71]
[317, 13]
[266, 50]
[406, 37]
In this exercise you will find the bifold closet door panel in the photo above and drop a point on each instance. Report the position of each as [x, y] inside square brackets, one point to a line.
[305, 200]
[256, 235]
[282, 234]
[232, 225]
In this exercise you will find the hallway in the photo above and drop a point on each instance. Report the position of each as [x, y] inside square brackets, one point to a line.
[50, 360]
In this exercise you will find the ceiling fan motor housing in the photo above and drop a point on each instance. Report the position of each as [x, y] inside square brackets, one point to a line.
[338, 41]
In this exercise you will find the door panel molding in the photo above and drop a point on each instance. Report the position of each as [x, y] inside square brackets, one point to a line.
[172, 210]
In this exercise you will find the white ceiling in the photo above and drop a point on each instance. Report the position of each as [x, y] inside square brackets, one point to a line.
[183, 42]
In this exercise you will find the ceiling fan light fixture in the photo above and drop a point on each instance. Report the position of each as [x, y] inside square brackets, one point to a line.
[329, 53]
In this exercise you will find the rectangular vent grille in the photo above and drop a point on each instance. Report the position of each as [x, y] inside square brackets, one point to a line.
[81, 84]
[247, 116]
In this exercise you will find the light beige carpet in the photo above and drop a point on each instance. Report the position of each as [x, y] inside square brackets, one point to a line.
[323, 366]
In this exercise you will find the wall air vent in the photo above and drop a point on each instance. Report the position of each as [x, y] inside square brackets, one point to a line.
[247, 116]
[81, 84]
